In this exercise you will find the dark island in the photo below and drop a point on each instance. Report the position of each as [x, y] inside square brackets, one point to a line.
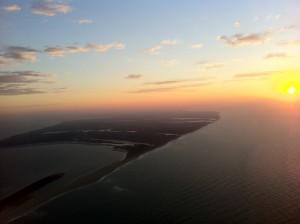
[132, 133]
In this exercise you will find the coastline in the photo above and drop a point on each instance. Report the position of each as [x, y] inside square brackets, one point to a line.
[132, 152]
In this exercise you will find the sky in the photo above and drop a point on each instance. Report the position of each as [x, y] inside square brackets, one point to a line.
[96, 54]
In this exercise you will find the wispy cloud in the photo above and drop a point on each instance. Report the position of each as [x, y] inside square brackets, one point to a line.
[211, 66]
[173, 85]
[23, 77]
[176, 81]
[14, 54]
[246, 39]
[133, 76]
[276, 55]
[197, 46]
[11, 8]
[254, 74]
[61, 51]
[105, 47]
[170, 88]
[23, 82]
[71, 49]
[169, 42]
[237, 24]
[169, 62]
[289, 42]
[84, 21]
[153, 51]
[208, 65]
[273, 17]
[48, 8]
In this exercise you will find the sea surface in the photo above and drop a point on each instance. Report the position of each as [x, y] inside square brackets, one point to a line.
[244, 168]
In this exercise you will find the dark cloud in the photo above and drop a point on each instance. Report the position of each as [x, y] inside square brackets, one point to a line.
[19, 54]
[24, 82]
[15, 54]
[11, 90]
[23, 77]
[246, 39]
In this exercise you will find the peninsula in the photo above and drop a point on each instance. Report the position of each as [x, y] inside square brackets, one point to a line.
[132, 133]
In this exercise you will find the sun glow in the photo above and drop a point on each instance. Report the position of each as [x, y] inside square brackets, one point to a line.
[291, 90]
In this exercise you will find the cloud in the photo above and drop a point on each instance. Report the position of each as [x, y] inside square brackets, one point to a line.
[173, 85]
[4, 61]
[245, 39]
[273, 17]
[169, 42]
[169, 62]
[255, 74]
[211, 66]
[207, 65]
[71, 49]
[84, 21]
[153, 51]
[7, 90]
[255, 18]
[11, 8]
[61, 51]
[237, 24]
[23, 82]
[47, 8]
[276, 55]
[169, 88]
[23, 77]
[105, 47]
[197, 46]
[14, 54]
[133, 76]
[289, 42]
[176, 81]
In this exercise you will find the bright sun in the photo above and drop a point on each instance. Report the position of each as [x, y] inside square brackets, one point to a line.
[291, 90]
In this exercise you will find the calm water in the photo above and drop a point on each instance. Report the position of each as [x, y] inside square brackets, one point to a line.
[245, 168]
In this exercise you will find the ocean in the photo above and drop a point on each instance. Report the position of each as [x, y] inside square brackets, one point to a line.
[244, 168]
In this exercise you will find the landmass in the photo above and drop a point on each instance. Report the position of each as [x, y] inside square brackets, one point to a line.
[133, 133]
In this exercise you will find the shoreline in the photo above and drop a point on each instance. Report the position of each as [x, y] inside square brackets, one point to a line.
[132, 153]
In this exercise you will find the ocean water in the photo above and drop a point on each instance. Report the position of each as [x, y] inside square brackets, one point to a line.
[244, 168]
[22, 166]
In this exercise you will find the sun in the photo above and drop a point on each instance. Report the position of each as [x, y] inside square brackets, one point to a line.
[291, 90]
